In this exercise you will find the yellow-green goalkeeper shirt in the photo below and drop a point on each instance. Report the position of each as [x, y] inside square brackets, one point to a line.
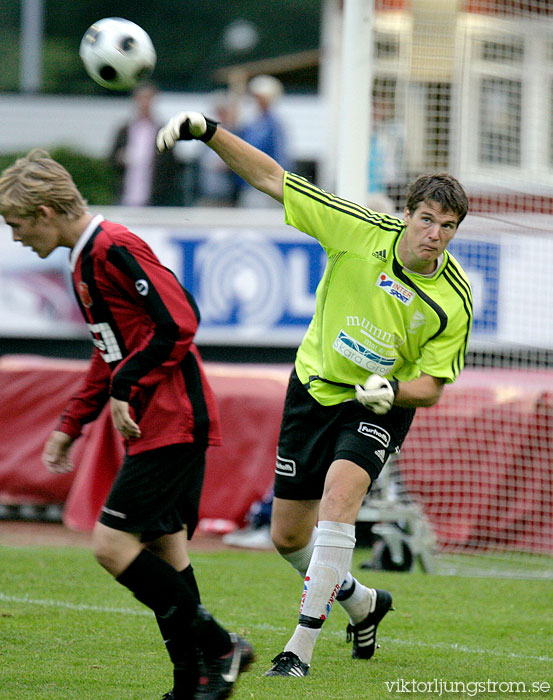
[372, 315]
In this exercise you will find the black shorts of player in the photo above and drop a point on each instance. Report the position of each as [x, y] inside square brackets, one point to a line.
[157, 492]
[312, 436]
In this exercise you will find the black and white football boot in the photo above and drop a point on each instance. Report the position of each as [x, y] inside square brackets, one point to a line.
[363, 634]
[288, 664]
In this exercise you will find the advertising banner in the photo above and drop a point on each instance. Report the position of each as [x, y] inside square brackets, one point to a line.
[255, 279]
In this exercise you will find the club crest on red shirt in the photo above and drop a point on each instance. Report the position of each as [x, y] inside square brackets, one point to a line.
[84, 295]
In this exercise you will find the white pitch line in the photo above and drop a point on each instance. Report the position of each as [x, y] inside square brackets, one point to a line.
[70, 606]
[273, 628]
[465, 649]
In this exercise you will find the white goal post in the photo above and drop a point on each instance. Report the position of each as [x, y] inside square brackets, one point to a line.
[464, 86]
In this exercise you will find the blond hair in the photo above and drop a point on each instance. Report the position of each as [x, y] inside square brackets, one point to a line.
[36, 180]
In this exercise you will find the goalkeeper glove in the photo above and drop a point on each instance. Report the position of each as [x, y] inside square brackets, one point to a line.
[185, 126]
[377, 394]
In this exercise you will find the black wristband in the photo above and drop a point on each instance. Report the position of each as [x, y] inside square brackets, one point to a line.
[211, 128]
[394, 384]
[186, 135]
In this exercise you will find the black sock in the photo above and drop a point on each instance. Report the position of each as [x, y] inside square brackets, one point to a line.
[181, 649]
[188, 576]
[186, 671]
[211, 638]
[216, 638]
[156, 584]
[166, 625]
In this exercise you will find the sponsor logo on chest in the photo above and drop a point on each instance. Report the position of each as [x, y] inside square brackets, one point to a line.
[361, 355]
[142, 287]
[84, 294]
[395, 289]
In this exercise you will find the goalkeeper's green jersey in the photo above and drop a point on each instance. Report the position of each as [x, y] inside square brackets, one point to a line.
[372, 315]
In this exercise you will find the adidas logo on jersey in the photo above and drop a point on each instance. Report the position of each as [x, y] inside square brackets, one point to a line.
[380, 254]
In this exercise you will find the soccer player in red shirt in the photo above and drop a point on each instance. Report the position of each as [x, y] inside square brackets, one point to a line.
[145, 363]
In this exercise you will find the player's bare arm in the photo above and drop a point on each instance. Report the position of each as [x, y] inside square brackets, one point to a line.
[423, 391]
[252, 165]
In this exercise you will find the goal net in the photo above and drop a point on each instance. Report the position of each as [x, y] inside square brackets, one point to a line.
[467, 86]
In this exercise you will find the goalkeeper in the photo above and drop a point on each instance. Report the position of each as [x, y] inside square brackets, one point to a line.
[390, 329]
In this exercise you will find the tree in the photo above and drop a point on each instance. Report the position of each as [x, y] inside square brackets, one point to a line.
[191, 39]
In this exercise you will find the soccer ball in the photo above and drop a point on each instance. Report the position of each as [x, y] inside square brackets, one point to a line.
[117, 53]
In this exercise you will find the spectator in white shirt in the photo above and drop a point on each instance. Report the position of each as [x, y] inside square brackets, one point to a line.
[144, 176]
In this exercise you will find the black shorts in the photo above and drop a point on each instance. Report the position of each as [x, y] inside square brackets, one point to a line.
[157, 492]
[312, 436]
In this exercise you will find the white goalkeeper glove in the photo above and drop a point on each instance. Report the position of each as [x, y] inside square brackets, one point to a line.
[377, 394]
[185, 126]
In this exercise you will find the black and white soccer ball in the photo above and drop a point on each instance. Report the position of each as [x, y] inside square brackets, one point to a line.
[117, 53]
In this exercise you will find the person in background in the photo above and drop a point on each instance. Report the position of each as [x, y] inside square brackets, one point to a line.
[216, 181]
[386, 167]
[145, 177]
[146, 366]
[257, 533]
[266, 132]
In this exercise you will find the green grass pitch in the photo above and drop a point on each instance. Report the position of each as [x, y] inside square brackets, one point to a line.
[67, 631]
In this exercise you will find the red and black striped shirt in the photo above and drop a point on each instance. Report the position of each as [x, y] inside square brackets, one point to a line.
[143, 324]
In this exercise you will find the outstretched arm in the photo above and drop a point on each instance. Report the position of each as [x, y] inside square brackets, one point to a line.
[252, 165]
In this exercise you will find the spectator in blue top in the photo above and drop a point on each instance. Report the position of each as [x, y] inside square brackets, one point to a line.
[266, 132]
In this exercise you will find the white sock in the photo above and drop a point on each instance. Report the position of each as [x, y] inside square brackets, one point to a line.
[348, 582]
[302, 642]
[327, 570]
[359, 603]
[300, 559]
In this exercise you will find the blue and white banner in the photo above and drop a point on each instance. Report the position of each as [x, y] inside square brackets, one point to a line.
[253, 288]
[255, 279]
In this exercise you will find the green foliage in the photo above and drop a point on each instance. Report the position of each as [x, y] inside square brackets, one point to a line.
[188, 36]
[9, 75]
[68, 630]
[62, 71]
[94, 177]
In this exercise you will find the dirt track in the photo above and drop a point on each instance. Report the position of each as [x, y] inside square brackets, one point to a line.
[20, 533]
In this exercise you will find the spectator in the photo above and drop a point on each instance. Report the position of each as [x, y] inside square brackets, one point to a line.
[145, 177]
[257, 534]
[216, 181]
[387, 181]
[266, 132]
